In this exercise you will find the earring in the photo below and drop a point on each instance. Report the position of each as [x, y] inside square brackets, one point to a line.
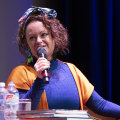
[30, 58]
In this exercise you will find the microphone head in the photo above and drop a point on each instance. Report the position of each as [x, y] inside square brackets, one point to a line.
[41, 52]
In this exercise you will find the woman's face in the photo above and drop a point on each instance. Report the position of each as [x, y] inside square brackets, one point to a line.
[38, 36]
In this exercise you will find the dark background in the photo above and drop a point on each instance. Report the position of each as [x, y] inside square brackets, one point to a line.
[94, 32]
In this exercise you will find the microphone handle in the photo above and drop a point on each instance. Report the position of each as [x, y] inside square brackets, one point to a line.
[45, 76]
[44, 72]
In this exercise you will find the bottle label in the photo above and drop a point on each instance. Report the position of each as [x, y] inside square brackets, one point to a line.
[2, 97]
[11, 104]
[12, 98]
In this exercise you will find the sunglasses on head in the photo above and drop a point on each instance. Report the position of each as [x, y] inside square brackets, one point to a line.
[34, 11]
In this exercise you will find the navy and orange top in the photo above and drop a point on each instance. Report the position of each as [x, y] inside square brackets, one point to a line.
[68, 88]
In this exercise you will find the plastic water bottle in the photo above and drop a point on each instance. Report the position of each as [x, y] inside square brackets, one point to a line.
[3, 93]
[11, 101]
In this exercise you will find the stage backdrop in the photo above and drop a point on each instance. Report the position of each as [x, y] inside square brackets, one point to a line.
[94, 29]
[10, 12]
[94, 32]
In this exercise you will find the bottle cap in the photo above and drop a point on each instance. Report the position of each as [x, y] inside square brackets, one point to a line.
[2, 84]
[11, 84]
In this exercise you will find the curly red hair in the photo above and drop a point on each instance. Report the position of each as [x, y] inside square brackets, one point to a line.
[57, 30]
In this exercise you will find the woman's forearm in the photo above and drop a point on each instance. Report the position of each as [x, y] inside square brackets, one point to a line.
[34, 93]
[103, 107]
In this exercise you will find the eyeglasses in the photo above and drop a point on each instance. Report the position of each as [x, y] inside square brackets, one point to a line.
[51, 13]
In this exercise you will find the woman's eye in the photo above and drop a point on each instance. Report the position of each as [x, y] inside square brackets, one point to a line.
[44, 34]
[32, 38]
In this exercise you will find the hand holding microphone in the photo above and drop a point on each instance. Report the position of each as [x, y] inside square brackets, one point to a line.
[42, 65]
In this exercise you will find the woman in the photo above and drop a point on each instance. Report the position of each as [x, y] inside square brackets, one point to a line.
[68, 88]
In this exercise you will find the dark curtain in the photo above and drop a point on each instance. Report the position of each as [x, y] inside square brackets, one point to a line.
[94, 32]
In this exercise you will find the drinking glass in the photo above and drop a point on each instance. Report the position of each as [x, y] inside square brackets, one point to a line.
[24, 105]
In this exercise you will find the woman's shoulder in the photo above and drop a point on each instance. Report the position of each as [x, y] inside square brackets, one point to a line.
[68, 63]
[23, 67]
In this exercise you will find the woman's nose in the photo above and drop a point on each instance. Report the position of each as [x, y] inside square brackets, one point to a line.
[39, 40]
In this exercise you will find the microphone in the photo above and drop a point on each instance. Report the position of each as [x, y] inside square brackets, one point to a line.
[41, 52]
